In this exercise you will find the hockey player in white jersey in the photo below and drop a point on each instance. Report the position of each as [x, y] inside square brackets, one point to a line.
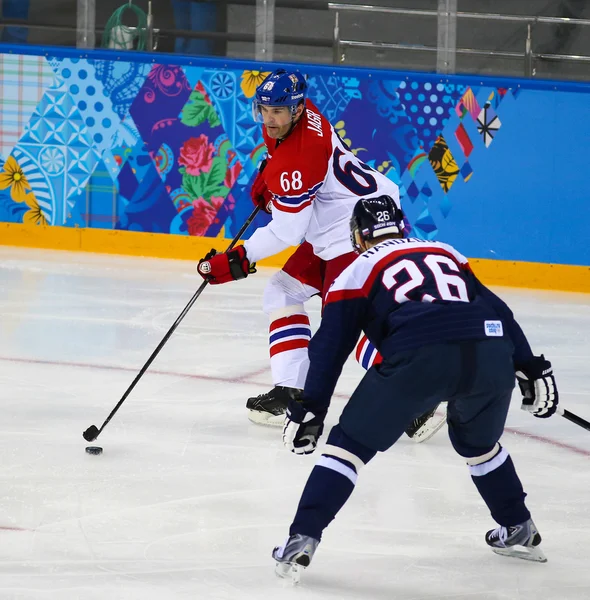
[311, 181]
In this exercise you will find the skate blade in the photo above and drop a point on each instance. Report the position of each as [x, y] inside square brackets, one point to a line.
[262, 418]
[289, 570]
[523, 552]
[429, 428]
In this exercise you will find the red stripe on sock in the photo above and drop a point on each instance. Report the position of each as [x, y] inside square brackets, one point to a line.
[359, 348]
[292, 320]
[289, 345]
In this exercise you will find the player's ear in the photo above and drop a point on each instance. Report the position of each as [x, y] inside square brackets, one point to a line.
[299, 110]
[360, 242]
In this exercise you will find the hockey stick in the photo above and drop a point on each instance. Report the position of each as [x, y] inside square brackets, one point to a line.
[566, 414]
[424, 427]
[93, 431]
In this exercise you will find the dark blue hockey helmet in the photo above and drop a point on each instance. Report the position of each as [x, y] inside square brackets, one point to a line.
[375, 217]
[280, 88]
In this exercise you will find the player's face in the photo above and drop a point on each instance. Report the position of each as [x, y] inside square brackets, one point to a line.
[277, 120]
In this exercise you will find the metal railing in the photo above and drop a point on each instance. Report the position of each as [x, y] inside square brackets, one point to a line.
[158, 34]
[338, 45]
[528, 55]
[152, 34]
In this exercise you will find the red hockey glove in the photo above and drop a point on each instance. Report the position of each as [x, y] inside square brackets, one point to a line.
[226, 266]
[259, 193]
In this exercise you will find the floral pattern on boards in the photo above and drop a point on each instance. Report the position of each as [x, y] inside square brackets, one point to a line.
[177, 153]
[196, 155]
[16, 181]
[165, 79]
[203, 165]
[251, 80]
[207, 183]
[199, 109]
[190, 150]
[34, 216]
[443, 164]
[203, 215]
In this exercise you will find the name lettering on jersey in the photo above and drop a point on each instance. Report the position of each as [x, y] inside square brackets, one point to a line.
[386, 244]
[314, 122]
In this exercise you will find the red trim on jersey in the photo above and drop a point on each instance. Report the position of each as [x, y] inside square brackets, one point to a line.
[289, 345]
[292, 209]
[291, 320]
[336, 295]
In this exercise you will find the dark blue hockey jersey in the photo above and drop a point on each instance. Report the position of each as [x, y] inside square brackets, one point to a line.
[404, 294]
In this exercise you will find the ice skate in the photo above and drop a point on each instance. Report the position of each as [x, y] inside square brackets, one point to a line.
[270, 408]
[425, 426]
[518, 541]
[295, 554]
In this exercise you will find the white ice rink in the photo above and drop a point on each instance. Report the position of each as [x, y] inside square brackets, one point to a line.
[189, 497]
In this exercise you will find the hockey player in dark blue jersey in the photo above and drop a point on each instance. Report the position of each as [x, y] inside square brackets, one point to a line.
[443, 336]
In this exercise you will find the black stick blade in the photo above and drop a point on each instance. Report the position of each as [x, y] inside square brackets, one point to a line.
[91, 433]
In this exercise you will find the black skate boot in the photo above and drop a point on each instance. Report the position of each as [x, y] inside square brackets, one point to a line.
[270, 408]
[504, 541]
[294, 554]
[425, 426]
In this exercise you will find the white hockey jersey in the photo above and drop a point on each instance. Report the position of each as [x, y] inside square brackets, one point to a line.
[315, 181]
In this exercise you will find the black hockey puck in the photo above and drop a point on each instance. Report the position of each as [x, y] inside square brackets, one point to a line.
[94, 449]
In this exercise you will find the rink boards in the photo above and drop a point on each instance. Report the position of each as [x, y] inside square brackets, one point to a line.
[571, 278]
[137, 153]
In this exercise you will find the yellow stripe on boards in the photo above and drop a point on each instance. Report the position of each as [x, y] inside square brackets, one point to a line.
[115, 241]
[543, 276]
[492, 272]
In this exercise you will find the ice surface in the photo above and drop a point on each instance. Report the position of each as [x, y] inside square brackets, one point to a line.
[189, 497]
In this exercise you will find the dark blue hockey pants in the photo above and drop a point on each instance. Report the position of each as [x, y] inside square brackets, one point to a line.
[476, 378]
